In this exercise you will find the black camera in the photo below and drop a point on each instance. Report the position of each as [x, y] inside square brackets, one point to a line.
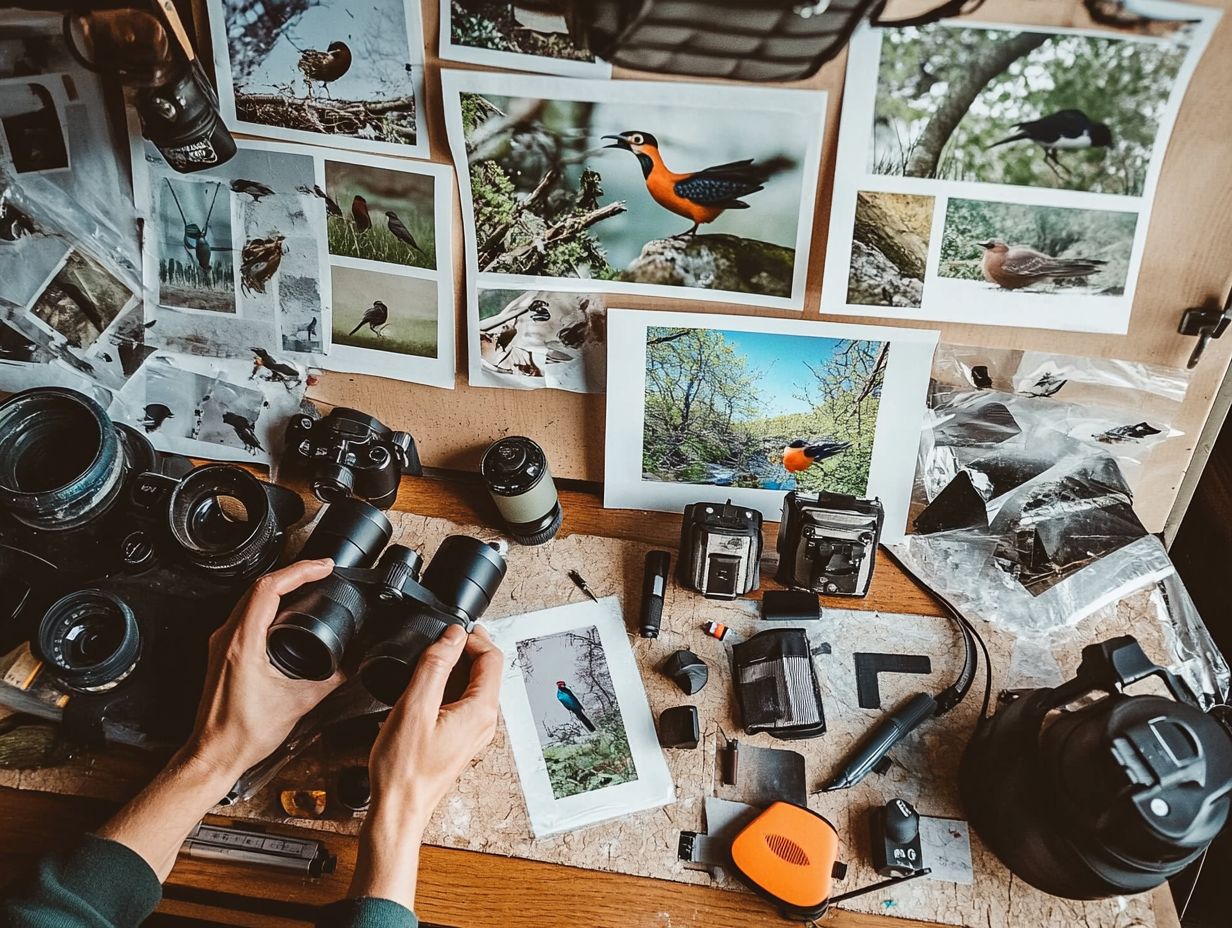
[349, 453]
[379, 601]
[118, 562]
[720, 550]
[828, 543]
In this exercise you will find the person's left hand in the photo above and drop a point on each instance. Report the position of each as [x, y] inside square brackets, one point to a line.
[247, 706]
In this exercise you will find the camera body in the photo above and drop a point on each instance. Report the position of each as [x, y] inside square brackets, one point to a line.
[118, 563]
[349, 453]
[381, 607]
[827, 543]
[720, 550]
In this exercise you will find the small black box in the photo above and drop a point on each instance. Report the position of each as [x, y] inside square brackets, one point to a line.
[679, 727]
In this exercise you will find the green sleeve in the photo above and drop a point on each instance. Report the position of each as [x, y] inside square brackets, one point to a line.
[366, 912]
[97, 884]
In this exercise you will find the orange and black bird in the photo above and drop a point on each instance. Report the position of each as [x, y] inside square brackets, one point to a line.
[359, 212]
[374, 318]
[800, 454]
[259, 262]
[398, 229]
[325, 67]
[699, 196]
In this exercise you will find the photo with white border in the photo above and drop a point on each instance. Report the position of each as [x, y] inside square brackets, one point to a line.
[516, 38]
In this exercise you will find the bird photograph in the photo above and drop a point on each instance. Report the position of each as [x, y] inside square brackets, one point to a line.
[578, 718]
[1064, 110]
[389, 216]
[251, 188]
[544, 338]
[1047, 250]
[154, 415]
[81, 301]
[195, 256]
[259, 262]
[760, 410]
[273, 370]
[330, 67]
[639, 189]
[386, 312]
[245, 431]
[527, 28]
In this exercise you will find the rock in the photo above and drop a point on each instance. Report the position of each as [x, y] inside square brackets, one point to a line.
[715, 262]
[877, 281]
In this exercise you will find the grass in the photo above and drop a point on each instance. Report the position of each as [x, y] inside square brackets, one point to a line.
[402, 336]
[379, 244]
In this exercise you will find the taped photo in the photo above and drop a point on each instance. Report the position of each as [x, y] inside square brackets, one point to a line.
[337, 73]
[705, 193]
[536, 339]
[1004, 175]
[711, 408]
[516, 37]
[577, 718]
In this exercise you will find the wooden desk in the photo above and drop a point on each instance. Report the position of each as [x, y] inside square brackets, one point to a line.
[456, 887]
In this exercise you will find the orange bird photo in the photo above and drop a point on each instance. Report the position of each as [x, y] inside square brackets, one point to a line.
[800, 455]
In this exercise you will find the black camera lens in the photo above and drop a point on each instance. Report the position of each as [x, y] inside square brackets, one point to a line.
[351, 532]
[90, 639]
[312, 630]
[61, 460]
[515, 471]
[221, 518]
[332, 483]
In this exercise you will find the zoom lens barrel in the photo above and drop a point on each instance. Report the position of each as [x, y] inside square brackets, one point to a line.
[62, 462]
[90, 640]
[351, 532]
[221, 518]
[515, 471]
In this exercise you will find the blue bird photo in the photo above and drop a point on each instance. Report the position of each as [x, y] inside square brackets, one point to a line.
[573, 704]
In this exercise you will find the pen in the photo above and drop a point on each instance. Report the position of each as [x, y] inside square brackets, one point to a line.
[581, 584]
[881, 740]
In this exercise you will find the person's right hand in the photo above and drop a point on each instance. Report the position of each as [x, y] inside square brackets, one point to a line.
[423, 747]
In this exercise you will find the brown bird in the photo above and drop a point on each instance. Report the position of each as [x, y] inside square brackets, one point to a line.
[399, 230]
[1013, 267]
[331, 208]
[359, 212]
[259, 261]
[325, 67]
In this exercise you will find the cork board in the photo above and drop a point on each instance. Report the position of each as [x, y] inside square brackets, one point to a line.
[486, 812]
[1188, 254]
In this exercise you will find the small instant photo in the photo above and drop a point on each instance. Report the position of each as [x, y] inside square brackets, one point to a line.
[576, 713]
[32, 122]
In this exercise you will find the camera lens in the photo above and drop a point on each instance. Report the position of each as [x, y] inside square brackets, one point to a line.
[222, 519]
[333, 482]
[90, 640]
[312, 630]
[61, 460]
[515, 471]
[351, 532]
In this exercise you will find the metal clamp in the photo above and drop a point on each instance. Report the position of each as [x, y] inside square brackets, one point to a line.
[1205, 322]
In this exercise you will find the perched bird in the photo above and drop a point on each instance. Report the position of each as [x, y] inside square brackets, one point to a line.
[399, 231]
[259, 262]
[331, 208]
[359, 212]
[278, 371]
[1064, 130]
[197, 244]
[540, 311]
[800, 455]
[573, 704]
[1013, 267]
[155, 415]
[375, 317]
[252, 188]
[325, 67]
[700, 196]
[312, 328]
[1049, 384]
[244, 430]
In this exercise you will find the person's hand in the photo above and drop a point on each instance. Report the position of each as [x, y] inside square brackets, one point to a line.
[247, 706]
[421, 750]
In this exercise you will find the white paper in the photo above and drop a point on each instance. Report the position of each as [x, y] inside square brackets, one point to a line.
[467, 36]
[696, 126]
[781, 378]
[574, 645]
[1092, 206]
[255, 56]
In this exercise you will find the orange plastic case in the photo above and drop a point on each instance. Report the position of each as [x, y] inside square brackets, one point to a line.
[788, 854]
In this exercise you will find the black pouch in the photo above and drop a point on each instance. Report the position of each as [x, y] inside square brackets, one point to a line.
[776, 685]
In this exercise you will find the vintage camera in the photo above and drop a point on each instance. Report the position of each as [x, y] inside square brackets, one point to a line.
[828, 543]
[173, 98]
[720, 550]
[380, 607]
[349, 453]
[120, 562]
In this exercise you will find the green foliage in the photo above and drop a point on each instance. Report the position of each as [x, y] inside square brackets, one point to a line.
[705, 422]
[1057, 231]
[603, 758]
[379, 244]
[1121, 82]
[490, 24]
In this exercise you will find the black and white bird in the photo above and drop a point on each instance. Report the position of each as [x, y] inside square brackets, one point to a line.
[1064, 130]
[278, 371]
[252, 188]
[398, 229]
[155, 415]
[375, 317]
[244, 430]
[331, 208]
[1049, 384]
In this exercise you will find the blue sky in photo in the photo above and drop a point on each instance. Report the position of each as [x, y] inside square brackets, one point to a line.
[780, 359]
